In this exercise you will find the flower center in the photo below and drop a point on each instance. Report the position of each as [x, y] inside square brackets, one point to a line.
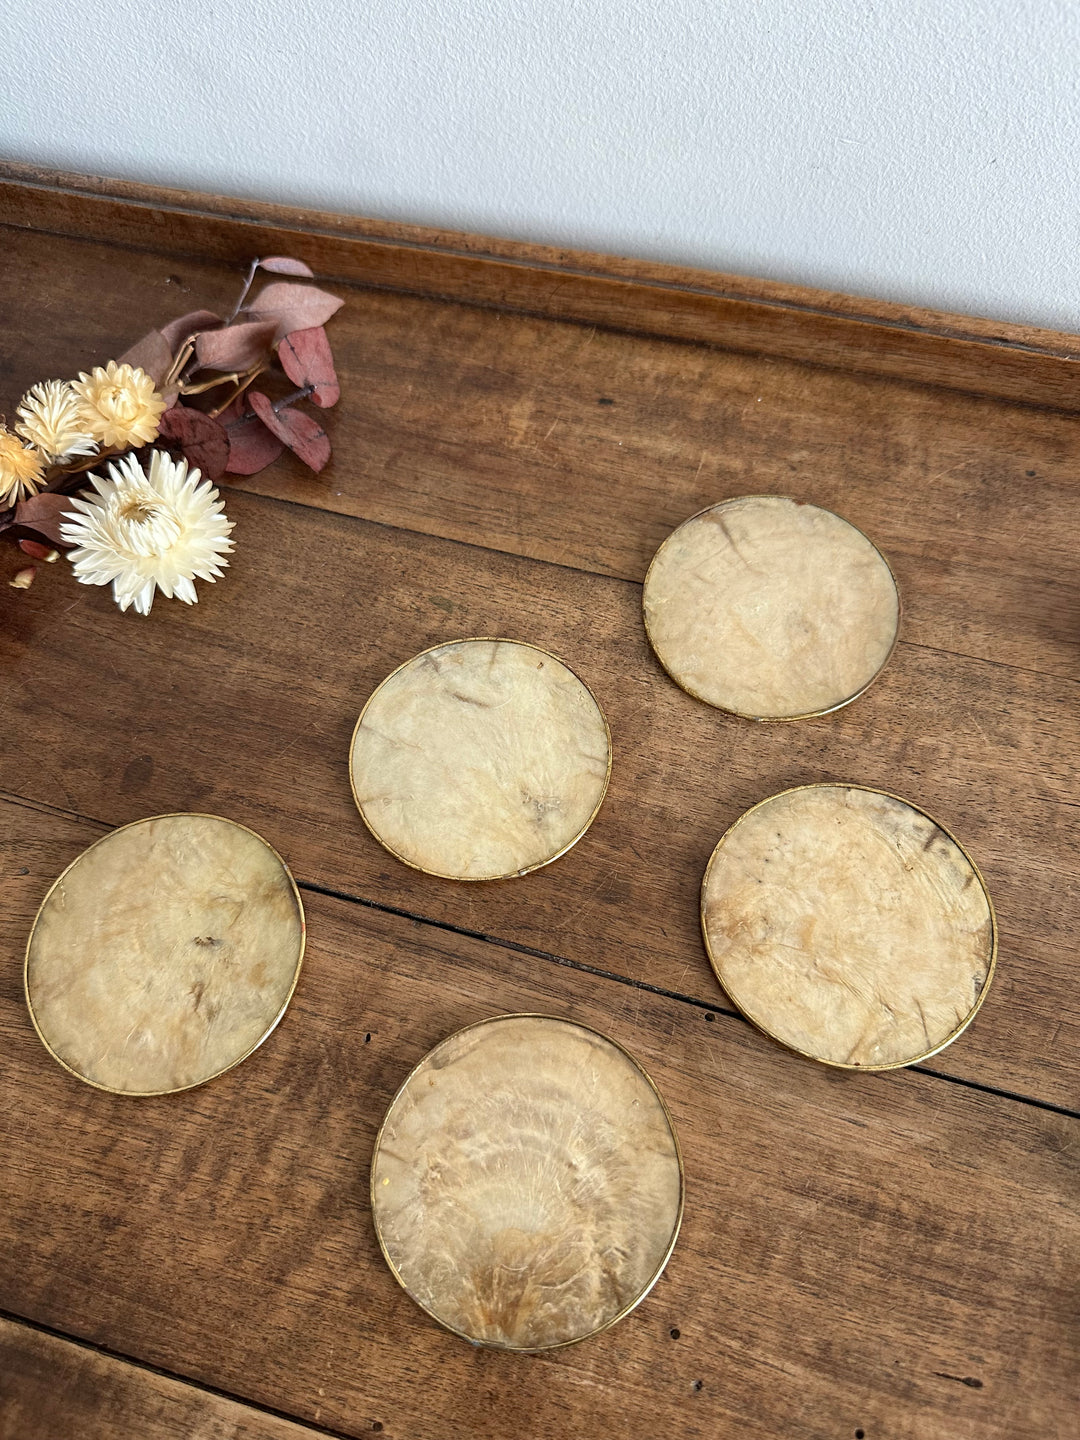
[149, 526]
[119, 402]
[139, 511]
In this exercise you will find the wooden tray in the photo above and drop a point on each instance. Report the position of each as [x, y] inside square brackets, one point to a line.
[862, 1255]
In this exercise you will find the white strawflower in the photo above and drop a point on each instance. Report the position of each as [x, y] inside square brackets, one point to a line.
[50, 419]
[145, 531]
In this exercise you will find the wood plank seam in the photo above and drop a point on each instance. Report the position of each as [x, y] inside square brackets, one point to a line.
[519, 949]
[692, 1000]
[136, 1364]
[28, 803]
[1004, 1094]
[312, 887]
[985, 660]
[473, 545]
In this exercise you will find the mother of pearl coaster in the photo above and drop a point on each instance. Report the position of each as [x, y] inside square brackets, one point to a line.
[526, 1184]
[848, 925]
[771, 609]
[164, 954]
[480, 759]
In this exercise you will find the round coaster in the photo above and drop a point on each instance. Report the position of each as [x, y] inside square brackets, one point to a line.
[526, 1184]
[480, 759]
[848, 925]
[164, 954]
[771, 609]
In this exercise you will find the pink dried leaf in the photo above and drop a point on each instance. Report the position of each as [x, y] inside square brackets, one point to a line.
[39, 552]
[179, 330]
[201, 438]
[306, 358]
[152, 354]
[237, 347]
[286, 265]
[293, 307]
[302, 433]
[251, 445]
[42, 514]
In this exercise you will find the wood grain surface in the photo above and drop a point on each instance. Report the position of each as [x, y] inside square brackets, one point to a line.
[50, 1387]
[583, 448]
[843, 1234]
[895, 1254]
[245, 704]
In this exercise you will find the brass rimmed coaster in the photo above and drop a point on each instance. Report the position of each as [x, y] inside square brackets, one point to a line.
[849, 925]
[164, 954]
[526, 1185]
[771, 609]
[480, 759]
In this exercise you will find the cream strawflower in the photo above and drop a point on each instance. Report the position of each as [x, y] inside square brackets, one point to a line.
[50, 419]
[119, 406]
[20, 469]
[145, 531]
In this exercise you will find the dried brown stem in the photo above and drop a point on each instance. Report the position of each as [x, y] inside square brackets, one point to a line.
[287, 400]
[205, 385]
[180, 359]
[282, 404]
[78, 467]
[244, 292]
[242, 385]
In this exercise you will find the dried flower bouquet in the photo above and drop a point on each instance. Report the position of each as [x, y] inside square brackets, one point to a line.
[154, 522]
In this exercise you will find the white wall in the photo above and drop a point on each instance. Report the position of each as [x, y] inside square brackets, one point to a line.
[919, 150]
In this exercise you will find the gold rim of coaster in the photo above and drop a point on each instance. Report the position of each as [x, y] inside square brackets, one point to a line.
[808, 1054]
[102, 840]
[506, 874]
[743, 714]
[668, 1250]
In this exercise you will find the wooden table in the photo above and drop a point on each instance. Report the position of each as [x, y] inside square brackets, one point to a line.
[881, 1256]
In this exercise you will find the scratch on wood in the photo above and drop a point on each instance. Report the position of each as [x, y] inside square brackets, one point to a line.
[968, 1380]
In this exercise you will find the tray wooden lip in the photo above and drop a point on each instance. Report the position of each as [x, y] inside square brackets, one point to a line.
[1004, 360]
